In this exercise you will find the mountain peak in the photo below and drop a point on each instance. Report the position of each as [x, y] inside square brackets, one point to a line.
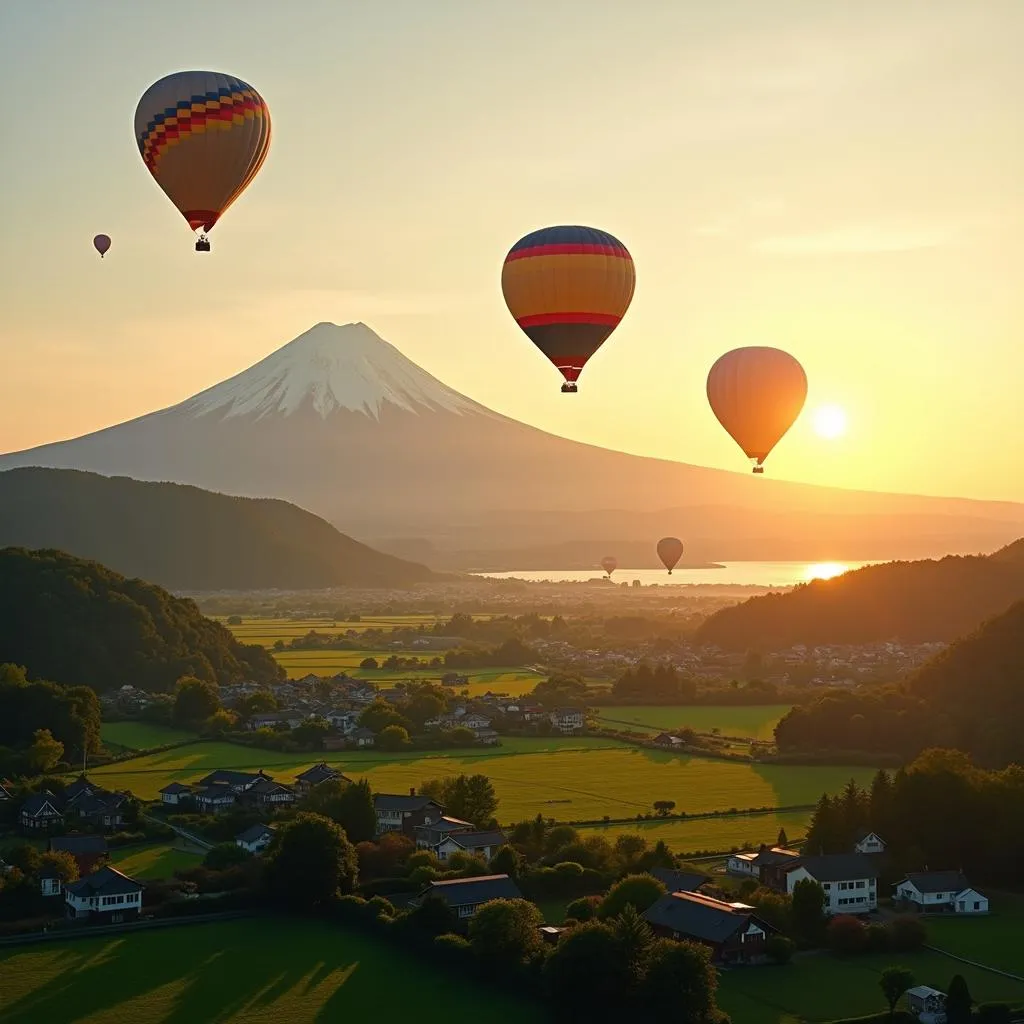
[331, 368]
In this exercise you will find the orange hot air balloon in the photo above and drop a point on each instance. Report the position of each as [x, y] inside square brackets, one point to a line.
[568, 287]
[670, 550]
[101, 243]
[203, 135]
[609, 563]
[757, 394]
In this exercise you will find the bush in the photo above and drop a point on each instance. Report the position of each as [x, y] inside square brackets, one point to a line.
[906, 932]
[846, 935]
[453, 949]
[583, 909]
[993, 1013]
[877, 938]
[779, 949]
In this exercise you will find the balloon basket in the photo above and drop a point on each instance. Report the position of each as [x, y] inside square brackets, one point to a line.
[203, 244]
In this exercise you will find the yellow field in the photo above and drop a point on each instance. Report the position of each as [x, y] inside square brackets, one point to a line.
[266, 631]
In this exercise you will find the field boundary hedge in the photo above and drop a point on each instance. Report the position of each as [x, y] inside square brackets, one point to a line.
[732, 812]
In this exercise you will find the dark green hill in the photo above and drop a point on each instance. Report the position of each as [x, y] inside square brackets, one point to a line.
[186, 538]
[79, 623]
[909, 601]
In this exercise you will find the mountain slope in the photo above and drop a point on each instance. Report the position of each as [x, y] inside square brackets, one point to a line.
[910, 601]
[341, 423]
[80, 624]
[185, 538]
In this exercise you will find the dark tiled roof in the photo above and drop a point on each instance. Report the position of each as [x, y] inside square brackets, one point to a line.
[37, 801]
[776, 855]
[266, 786]
[448, 824]
[107, 881]
[679, 881]
[78, 787]
[393, 802]
[457, 892]
[176, 787]
[938, 881]
[318, 773]
[478, 840]
[232, 778]
[79, 844]
[254, 832]
[838, 867]
[699, 916]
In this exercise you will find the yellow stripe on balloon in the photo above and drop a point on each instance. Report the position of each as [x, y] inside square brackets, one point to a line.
[576, 283]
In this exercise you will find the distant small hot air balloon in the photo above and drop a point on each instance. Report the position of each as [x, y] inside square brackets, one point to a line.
[101, 243]
[609, 563]
[568, 287]
[670, 550]
[757, 394]
[203, 135]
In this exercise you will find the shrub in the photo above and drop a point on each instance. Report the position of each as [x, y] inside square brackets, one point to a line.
[452, 949]
[906, 932]
[583, 909]
[779, 949]
[877, 938]
[846, 935]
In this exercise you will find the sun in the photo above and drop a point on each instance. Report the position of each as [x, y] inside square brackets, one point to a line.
[830, 422]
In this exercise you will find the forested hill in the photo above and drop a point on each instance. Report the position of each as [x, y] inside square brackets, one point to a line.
[969, 697]
[79, 623]
[186, 538]
[910, 601]
[1012, 554]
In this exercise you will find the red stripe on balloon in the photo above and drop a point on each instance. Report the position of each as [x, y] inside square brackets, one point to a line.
[545, 319]
[568, 249]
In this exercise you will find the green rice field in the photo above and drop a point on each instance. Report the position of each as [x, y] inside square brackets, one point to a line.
[756, 722]
[253, 971]
[141, 735]
[154, 860]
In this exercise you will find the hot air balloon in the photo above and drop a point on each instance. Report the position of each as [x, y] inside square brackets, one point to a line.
[568, 287]
[203, 135]
[757, 394]
[609, 563]
[670, 550]
[101, 243]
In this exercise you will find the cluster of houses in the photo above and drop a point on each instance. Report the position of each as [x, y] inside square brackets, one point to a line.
[82, 803]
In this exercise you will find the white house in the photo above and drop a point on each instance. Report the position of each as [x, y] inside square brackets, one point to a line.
[106, 896]
[479, 844]
[848, 879]
[255, 839]
[940, 892]
[567, 720]
[174, 793]
[869, 842]
[475, 721]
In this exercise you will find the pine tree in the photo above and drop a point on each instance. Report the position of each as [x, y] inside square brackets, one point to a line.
[634, 938]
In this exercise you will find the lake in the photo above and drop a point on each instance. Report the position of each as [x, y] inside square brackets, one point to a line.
[758, 574]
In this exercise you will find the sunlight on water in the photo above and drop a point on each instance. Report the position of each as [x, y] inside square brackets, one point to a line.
[826, 570]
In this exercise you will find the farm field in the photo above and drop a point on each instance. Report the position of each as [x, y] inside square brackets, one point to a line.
[155, 860]
[565, 778]
[994, 939]
[756, 722]
[266, 631]
[253, 971]
[825, 988]
[141, 735]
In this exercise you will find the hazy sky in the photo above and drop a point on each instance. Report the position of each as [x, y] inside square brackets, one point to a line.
[842, 179]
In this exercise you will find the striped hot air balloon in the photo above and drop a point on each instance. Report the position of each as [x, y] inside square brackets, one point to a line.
[568, 287]
[203, 136]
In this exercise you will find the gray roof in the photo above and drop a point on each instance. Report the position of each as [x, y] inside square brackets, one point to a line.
[458, 892]
[776, 855]
[478, 840]
[396, 802]
[449, 824]
[232, 778]
[37, 801]
[107, 881]
[254, 832]
[679, 881]
[838, 867]
[699, 916]
[79, 786]
[79, 844]
[176, 787]
[938, 881]
[318, 773]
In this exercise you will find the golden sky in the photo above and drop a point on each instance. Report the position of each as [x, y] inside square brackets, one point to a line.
[842, 180]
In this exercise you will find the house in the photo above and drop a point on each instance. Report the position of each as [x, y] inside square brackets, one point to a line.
[479, 844]
[215, 798]
[42, 811]
[664, 739]
[733, 931]
[487, 737]
[100, 808]
[50, 882]
[849, 880]
[104, 897]
[343, 721]
[319, 773]
[397, 813]
[362, 737]
[79, 788]
[255, 839]
[429, 835]
[466, 895]
[237, 782]
[87, 850]
[567, 720]
[475, 721]
[679, 881]
[174, 793]
[268, 720]
[868, 842]
[927, 1004]
[267, 793]
[941, 892]
[757, 864]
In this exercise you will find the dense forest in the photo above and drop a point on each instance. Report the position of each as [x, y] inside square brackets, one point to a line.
[186, 538]
[82, 624]
[970, 696]
[914, 602]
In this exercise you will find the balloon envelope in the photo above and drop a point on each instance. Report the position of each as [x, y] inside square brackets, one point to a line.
[609, 563]
[203, 135]
[101, 243]
[670, 550]
[568, 287]
[757, 394]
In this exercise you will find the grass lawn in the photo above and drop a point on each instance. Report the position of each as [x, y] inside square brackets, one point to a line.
[995, 939]
[820, 987]
[565, 778]
[141, 735]
[756, 722]
[254, 971]
[155, 860]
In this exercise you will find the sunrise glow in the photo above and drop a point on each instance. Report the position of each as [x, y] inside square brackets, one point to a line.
[825, 570]
[830, 422]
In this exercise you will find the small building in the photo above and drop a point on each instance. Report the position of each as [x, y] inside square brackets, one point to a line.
[396, 813]
[927, 1004]
[733, 931]
[256, 838]
[679, 881]
[174, 793]
[940, 892]
[665, 739]
[322, 772]
[42, 811]
[568, 720]
[487, 737]
[237, 782]
[868, 842]
[429, 835]
[215, 798]
[100, 808]
[848, 880]
[551, 933]
[267, 793]
[87, 850]
[105, 897]
[50, 882]
[757, 865]
[478, 844]
[362, 737]
[466, 895]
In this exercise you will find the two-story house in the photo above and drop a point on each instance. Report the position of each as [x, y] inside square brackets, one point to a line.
[567, 720]
[849, 881]
[733, 931]
[758, 864]
[430, 834]
[238, 782]
[322, 772]
[175, 793]
[466, 895]
[869, 843]
[269, 794]
[940, 892]
[42, 811]
[105, 897]
[215, 798]
[397, 813]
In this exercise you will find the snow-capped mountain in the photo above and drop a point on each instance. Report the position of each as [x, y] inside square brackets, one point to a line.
[339, 422]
